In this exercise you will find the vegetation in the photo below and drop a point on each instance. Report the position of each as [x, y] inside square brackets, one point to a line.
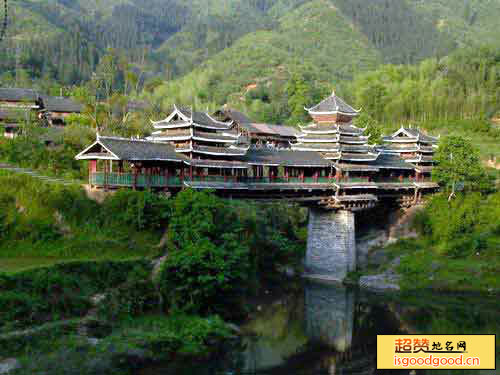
[458, 162]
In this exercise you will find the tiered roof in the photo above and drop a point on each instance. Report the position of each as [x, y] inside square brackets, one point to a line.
[412, 145]
[335, 137]
[199, 135]
[332, 105]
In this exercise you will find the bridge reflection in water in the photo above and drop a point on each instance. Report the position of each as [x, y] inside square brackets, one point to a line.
[309, 334]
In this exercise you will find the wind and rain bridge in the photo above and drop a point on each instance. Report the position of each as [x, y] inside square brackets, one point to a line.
[327, 165]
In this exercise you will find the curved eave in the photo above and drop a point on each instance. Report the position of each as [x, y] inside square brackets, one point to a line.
[354, 142]
[322, 132]
[169, 139]
[298, 147]
[171, 126]
[214, 140]
[311, 112]
[330, 140]
[405, 140]
[212, 127]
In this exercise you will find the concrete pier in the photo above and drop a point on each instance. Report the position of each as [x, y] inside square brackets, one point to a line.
[331, 244]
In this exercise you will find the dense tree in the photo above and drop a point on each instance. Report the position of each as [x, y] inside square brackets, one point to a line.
[207, 259]
[458, 162]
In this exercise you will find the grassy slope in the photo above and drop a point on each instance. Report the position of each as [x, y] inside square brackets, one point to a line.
[39, 206]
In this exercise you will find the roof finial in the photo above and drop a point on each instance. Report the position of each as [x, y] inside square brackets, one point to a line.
[333, 91]
[97, 134]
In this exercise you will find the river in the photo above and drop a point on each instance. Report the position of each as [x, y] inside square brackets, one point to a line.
[331, 329]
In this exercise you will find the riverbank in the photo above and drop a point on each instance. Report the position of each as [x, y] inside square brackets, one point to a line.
[456, 249]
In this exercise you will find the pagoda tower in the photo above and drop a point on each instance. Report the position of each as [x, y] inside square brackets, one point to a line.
[207, 142]
[333, 134]
[413, 146]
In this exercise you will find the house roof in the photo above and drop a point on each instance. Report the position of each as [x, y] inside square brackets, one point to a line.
[280, 130]
[332, 105]
[133, 150]
[236, 116]
[61, 104]
[17, 95]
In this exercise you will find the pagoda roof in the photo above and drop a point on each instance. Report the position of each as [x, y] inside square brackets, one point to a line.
[398, 148]
[18, 95]
[411, 134]
[203, 119]
[60, 104]
[319, 129]
[319, 138]
[350, 129]
[285, 158]
[215, 137]
[350, 139]
[356, 148]
[332, 105]
[130, 150]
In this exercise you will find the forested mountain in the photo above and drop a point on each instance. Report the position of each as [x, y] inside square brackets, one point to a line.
[64, 39]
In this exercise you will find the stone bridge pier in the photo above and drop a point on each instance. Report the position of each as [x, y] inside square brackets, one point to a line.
[331, 244]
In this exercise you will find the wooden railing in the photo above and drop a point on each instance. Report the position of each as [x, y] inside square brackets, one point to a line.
[161, 181]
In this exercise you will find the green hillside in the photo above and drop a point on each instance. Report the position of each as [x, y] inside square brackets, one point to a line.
[64, 39]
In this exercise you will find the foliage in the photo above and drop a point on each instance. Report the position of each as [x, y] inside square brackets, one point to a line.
[463, 85]
[458, 162]
[207, 260]
[53, 293]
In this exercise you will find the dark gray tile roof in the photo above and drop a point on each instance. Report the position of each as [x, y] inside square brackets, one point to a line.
[385, 161]
[13, 94]
[213, 136]
[317, 129]
[140, 150]
[61, 104]
[286, 158]
[353, 156]
[355, 148]
[204, 163]
[237, 116]
[218, 150]
[333, 104]
[203, 119]
[350, 129]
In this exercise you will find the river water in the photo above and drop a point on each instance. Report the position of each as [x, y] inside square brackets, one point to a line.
[331, 329]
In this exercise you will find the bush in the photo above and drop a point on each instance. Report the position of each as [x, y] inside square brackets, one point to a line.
[61, 291]
[207, 262]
